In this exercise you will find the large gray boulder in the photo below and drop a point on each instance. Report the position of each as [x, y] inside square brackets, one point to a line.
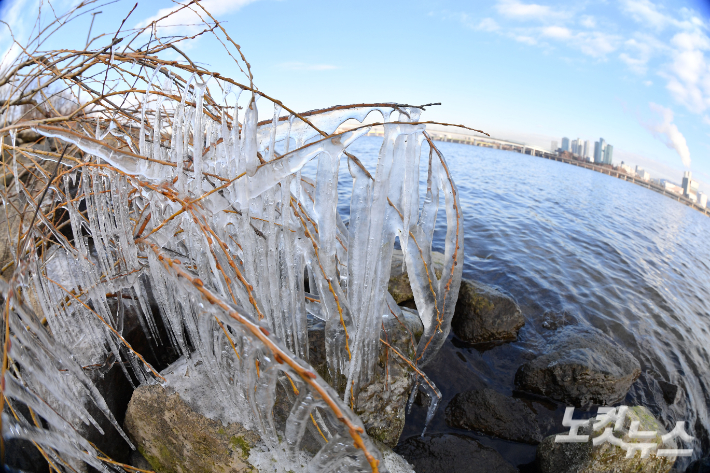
[580, 366]
[452, 453]
[553, 457]
[485, 314]
[492, 413]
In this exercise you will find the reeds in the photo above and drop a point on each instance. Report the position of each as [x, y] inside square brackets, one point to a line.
[128, 176]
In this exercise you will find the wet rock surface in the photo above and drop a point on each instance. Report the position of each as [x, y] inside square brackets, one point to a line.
[552, 320]
[173, 437]
[581, 366]
[485, 314]
[701, 465]
[452, 453]
[492, 413]
[553, 457]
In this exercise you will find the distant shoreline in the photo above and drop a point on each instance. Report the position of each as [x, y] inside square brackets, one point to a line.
[538, 153]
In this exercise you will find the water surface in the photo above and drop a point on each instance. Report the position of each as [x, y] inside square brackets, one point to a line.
[567, 240]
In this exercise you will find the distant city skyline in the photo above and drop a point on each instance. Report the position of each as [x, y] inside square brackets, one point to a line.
[638, 69]
[603, 152]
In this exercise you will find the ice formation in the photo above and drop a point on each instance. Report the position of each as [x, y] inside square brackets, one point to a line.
[202, 209]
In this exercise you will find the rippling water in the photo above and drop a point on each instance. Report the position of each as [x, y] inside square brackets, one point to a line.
[608, 253]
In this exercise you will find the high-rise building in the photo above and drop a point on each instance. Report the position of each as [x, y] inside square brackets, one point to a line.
[702, 199]
[554, 147]
[573, 147]
[565, 144]
[587, 149]
[687, 179]
[608, 154]
[690, 187]
[599, 151]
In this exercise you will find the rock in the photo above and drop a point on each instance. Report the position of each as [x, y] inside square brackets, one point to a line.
[173, 437]
[452, 453]
[138, 461]
[580, 366]
[182, 428]
[484, 314]
[584, 457]
[22, 455]
[398, 285]
[552, 320]
[381, 404]
[492, 413]
[393, 462]
[669, 390]
[701, 465]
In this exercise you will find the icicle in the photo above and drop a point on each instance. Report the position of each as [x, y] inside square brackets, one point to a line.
[198, 136]
[15, 174]
[249, 148]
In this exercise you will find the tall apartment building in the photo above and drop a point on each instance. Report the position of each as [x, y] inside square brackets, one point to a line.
[603, 153]
[587, 149]
[608, 154]
[565, 144]
[554, 147]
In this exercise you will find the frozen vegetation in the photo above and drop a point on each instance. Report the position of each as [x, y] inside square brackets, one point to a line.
[172, 194]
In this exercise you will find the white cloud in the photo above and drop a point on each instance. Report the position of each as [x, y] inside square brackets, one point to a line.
[302, 66]
[525, 39]
[588, 21]
[12, 13]
[488, 24]
[667, 132]
[557, 32]
[175, 24]
[527, 11]
[688, 73]
[597, 44]
[643, 11]
[639, 50]
[689, 41]
[647, 83]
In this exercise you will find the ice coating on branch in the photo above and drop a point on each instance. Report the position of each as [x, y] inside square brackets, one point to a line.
[212, 222]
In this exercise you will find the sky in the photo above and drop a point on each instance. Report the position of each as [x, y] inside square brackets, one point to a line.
[635, 72]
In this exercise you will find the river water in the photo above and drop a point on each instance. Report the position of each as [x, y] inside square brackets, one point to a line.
[591, 249]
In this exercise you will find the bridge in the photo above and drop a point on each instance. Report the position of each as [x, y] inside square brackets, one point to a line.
[523, 148]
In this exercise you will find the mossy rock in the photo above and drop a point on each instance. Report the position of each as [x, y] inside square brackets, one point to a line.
[176, 439]
[584, 457]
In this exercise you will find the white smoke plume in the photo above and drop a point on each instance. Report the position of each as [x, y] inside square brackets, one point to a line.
[667, 132]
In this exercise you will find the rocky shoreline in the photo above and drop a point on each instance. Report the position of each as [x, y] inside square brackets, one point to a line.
[577, 366]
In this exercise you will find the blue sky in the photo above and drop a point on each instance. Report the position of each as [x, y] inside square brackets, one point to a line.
[636, 72]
